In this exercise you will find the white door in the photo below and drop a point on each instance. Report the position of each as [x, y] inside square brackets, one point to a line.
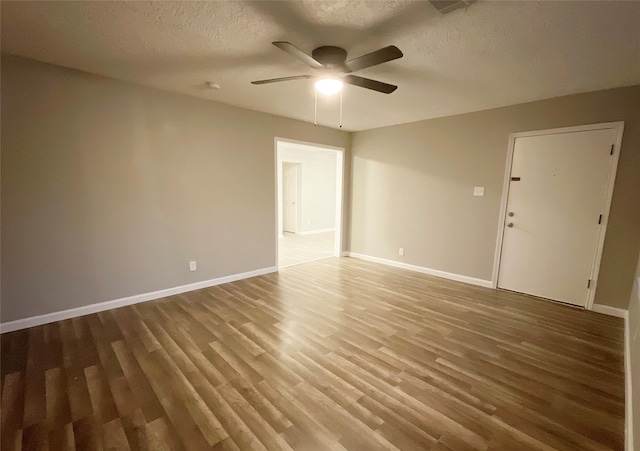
[290, 197]
[556, 195]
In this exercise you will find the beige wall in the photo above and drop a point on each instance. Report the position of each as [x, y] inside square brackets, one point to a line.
[109, 189]
[412, 186]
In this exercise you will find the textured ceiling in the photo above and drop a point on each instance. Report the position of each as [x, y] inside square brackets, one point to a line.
[488, 55]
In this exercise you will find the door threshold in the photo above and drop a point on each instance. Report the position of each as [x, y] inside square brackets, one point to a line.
[555, 301]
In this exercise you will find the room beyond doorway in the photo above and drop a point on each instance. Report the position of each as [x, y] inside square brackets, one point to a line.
[309, 202]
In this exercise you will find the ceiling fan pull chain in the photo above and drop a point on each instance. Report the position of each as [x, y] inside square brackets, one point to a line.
[315, 107]
[341, 108]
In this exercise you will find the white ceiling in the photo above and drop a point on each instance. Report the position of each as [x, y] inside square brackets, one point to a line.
[491, 54]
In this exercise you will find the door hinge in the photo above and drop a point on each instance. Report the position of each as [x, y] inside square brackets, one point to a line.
[600, 220]
[612, 146]
[589, 283]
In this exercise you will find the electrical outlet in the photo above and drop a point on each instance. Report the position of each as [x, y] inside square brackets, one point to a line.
[478, 191]
[401, 252]
[192, 266]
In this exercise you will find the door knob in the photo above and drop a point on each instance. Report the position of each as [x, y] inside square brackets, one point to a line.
[509, 224]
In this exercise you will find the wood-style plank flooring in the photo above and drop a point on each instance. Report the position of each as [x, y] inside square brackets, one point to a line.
[331, 355]
[294, 249]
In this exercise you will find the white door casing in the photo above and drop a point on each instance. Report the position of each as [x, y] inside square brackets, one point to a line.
[559, 184]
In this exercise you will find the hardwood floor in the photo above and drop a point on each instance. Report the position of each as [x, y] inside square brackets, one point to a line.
[335, 354]
[295, 249]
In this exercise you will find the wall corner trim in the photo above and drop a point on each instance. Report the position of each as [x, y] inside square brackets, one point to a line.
[628, 394]
[611, 311]
[423, 270]
[129, 300]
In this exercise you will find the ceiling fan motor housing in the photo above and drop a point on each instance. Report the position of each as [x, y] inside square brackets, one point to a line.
[329, 55]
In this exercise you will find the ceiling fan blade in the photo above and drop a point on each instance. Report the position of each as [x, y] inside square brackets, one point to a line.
[297, 53]
[276, 80]
[368, 83]
[383, 55]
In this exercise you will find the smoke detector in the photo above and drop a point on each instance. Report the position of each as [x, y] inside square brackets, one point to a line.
[446, 6]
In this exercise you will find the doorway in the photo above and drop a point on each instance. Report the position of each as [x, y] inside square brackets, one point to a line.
[558, 190]
[309, 202]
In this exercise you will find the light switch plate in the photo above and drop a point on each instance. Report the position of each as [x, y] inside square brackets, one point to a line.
[478, 190]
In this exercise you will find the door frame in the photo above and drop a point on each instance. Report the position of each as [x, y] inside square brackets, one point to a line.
[613, 168]
[339, 223]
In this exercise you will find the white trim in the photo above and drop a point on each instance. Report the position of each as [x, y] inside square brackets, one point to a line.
[423, 270]
[315, 232]
[628, 402]
[130, 300]
[613, 170]
[339, 225]
[595, 270]
[503, 212]
[308, 144]
[572, 129]
[611, 311]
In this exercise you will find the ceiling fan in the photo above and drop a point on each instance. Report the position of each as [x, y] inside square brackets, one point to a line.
[335, 69]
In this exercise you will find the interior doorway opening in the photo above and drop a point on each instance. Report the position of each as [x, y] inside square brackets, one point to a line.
[309, 202]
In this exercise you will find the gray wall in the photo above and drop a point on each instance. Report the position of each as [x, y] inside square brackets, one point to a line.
[109, 189]
[318, 186]
[412, 186]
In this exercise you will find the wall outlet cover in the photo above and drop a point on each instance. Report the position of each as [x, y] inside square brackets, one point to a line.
[478, 191]
[192, 266]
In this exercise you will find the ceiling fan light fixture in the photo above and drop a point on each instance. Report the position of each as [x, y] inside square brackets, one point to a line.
[329, 86]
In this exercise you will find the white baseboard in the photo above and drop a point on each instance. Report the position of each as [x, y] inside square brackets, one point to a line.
[122, 302]
[624, 314]
[628, 402]
[611, 311]
[315, 232]
[422, 269]
[344, 254]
